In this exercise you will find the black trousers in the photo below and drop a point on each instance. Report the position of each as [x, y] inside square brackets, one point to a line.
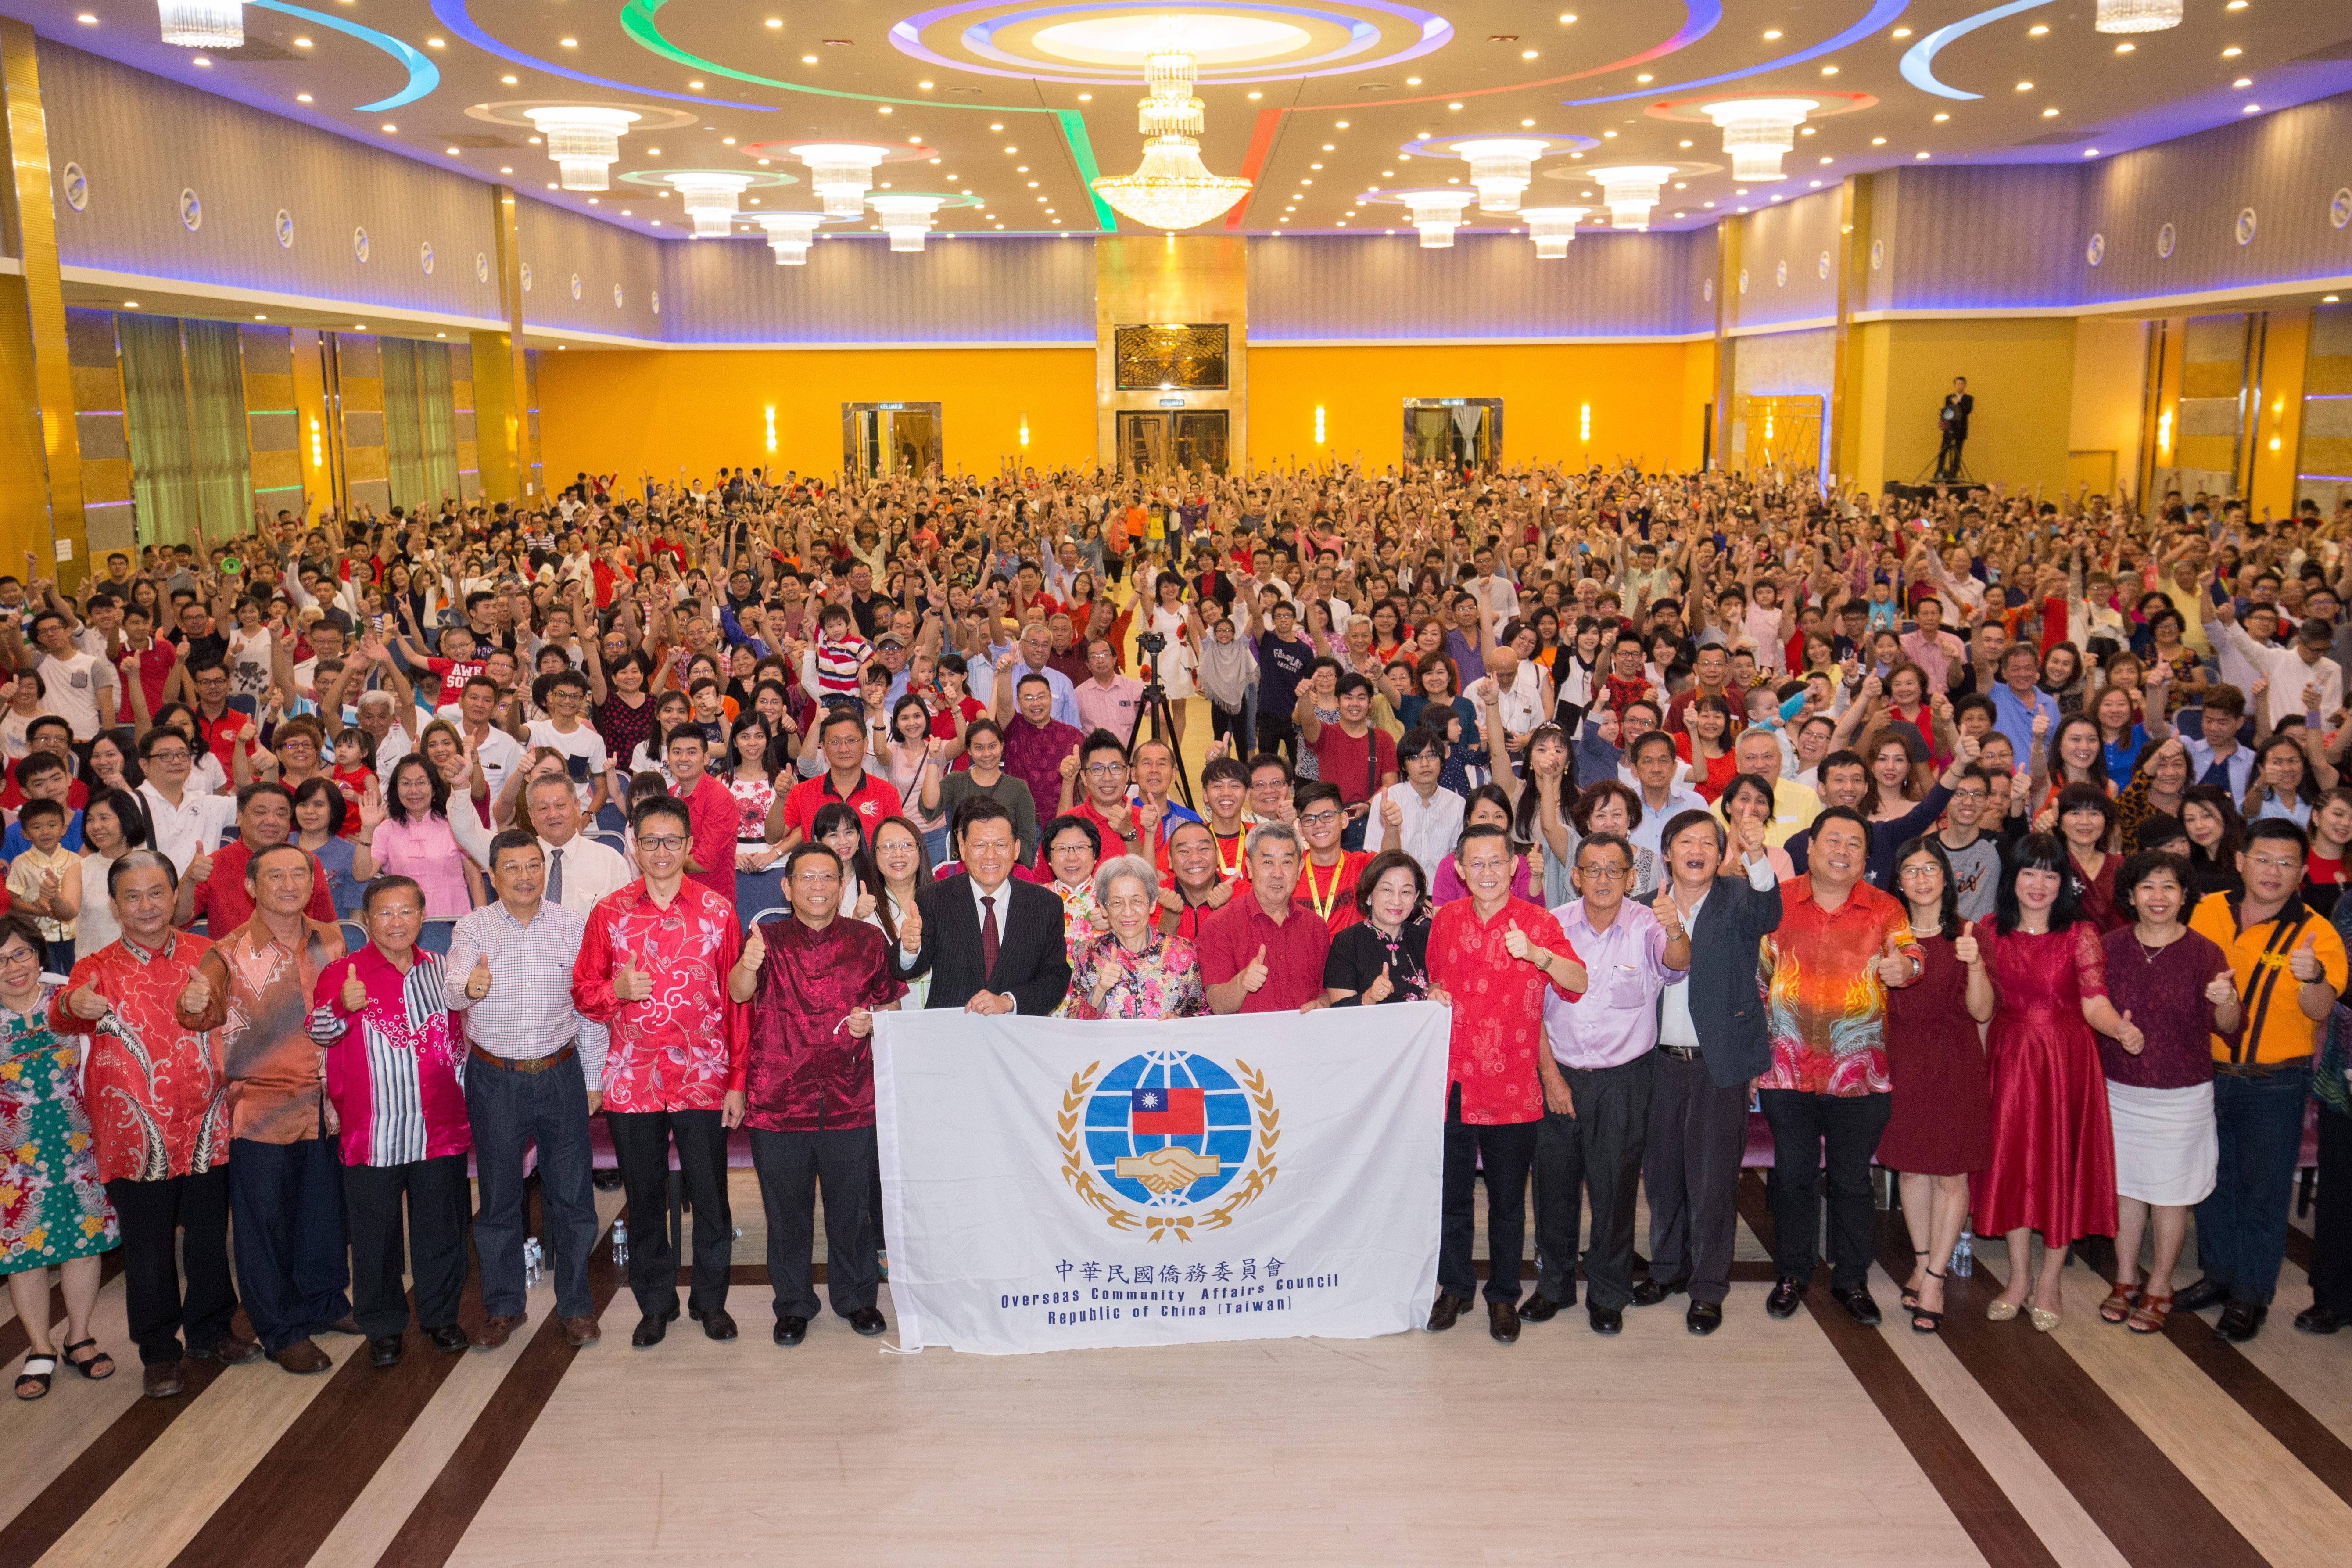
[1698, 1136]
[286, 1203]
[641, 1144]
[843, 1165]
[438, 1199]
[1278, 733]
[510, 1111]
[1508, 1149]
[1803, 1125]
[172, 1229]
[2331, 1216]
[1600, 1147]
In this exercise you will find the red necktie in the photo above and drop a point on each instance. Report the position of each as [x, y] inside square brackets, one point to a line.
[988, 936]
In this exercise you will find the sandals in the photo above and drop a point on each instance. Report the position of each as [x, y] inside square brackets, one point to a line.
[2117, 1306]
[1924, 1321]
[1911, 1297]
[2148, 1317]
[39, 1369]
[96, 1367]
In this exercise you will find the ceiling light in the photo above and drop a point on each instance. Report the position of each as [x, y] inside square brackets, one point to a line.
[1527, 54]
[435, 44]
[1452, 105]
[1645, 77]
[808, 59]
[2036, 30]
[775, 21]
[1919, 155]
[87, 20]
[1500, 169]
[2138, 15]
[1829, 70]
[1436, 214]
[2025, 87]
[131, 304]
[301, 97]
[569, 43]
[1526, 124]
[2251, 109]
[2090, 152]
[1551, 228]
[709, 199]
[1412, 81]
[1568, 15]
[1771, 34]
[302, 43]
[391, 129]
[507, 80]
[451, 151]
[2232, 52]
[1341, 124]
[1257, 95]
[789, 234]
[2243, 82]
[586, 143]
[1172, 188]
[1758, 132]
[906, 219]
[1878, 140]
[1941, 118]
[884, 110]
[1631, 190]
[842, 173]
[203, 24]
[2126, 48]
[2328, 298]
[201, 61]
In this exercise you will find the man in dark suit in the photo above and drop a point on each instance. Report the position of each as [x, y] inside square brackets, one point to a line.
[1954, 418]
[1712, 1045]
[990, 944]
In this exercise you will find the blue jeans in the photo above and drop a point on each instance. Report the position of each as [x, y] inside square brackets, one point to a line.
[2241, 1228]
[509, 1111]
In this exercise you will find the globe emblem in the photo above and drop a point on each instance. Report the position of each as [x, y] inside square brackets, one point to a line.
[1167, 1129]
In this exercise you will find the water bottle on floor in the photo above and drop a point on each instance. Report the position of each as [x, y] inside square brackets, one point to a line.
[1964, 1255]
[530, 1263]
[620, 1242]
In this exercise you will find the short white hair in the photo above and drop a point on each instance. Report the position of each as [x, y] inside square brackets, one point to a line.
[1122, 868]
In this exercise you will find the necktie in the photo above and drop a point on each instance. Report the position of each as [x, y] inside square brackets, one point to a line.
[555, 879]
[988, 935]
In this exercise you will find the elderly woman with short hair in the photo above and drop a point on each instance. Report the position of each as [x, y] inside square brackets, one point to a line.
[1134, 970]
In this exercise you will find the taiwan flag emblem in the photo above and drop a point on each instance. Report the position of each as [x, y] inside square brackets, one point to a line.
[1171, 1113]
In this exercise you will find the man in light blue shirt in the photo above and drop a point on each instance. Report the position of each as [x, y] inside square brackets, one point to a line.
[2018, 698]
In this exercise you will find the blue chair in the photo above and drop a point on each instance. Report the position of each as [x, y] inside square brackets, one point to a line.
[778, 913]
[433, 936]
[612, 841]
[762, 891]
[609, 818]
[245, 704]
[355, 936]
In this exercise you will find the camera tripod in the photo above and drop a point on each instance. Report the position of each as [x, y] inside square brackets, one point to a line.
[1154, 705]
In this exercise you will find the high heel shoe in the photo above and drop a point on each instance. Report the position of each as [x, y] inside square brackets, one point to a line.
[2044, 1321]
[1998, 1310]
[1911, 1297]
[1924, 1321]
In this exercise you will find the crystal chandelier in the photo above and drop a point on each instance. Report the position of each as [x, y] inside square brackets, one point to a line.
[709, 200]
[1435, 212]
[1759, 132]
[2138, 15]
[1172, 189]
[842, 173]
[1500, 169]
[1630, 191]
[203, 24]
[584, 142]
[906, 219]
[789, 235]
[1551, 228]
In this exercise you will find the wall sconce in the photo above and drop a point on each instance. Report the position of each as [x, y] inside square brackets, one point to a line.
[1318, 424]
[1584, 422]
[1024, 429]
[2164, 431]
[317, 456]
[771, 429]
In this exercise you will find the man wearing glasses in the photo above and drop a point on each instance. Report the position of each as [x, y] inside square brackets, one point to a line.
[1975, 858]
[187, 822]
[1327, 877]
[1094, 789]
[652, 969]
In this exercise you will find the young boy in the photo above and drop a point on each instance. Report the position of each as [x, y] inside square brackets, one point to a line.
[44, 881]
[43, 777]
[840, 653]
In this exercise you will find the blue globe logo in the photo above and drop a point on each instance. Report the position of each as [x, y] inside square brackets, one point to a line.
[1166, 1129]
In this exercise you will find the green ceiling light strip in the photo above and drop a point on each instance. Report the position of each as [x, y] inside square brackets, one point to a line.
[637, 20]
[1082, 152]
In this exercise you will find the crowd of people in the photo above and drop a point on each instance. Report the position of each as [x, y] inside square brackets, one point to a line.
[1992, 839]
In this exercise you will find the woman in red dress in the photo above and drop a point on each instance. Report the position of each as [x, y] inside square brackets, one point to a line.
[2086, 825]
[2054, 1155]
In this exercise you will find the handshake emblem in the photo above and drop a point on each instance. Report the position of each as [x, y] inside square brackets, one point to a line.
[1165, 1170]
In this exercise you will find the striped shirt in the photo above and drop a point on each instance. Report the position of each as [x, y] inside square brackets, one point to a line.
[527, 1011]
[395, 1079]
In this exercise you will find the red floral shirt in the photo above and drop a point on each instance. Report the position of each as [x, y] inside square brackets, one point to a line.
[158, 1105]
[1497, 1006]
[683, 1047]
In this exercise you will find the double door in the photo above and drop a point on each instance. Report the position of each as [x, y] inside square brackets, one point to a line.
[1153, 441]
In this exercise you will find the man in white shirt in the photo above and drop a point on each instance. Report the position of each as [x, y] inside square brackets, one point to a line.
[499, 752]
[2288, 669]
[1656, 770]
[187, 822]
[1416, 815]
[590, 869]
[563, 695]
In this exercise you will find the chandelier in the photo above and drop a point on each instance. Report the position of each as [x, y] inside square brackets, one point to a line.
[1551, 228]
[204, 24]
[906, 219]
[2138, 16]
[1630, 191]
[1172, 189]
[709, 200]
[842, 173]
[1500, 169]
[789, 235]
[1759, 132]
[584, 142]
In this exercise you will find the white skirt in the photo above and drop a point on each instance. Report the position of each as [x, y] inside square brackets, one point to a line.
[2167, 1150]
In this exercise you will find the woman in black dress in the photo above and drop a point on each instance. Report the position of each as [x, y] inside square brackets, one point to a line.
[1385, 956]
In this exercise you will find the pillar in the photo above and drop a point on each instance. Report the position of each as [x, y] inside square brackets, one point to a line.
[40, 443]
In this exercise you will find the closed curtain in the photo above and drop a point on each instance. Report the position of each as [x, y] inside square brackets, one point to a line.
[438, 420]
[155, 419]
[219, 450]
[403, 441]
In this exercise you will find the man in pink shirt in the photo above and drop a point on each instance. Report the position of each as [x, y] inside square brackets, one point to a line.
[1107, 700]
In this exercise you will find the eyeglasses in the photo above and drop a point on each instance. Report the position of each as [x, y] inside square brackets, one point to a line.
[1921, 871]
[1320, 818]
[170, 755]
[667, 841]
[1607, 873]
[1105, 769]
[2273, 863]
[22, 955]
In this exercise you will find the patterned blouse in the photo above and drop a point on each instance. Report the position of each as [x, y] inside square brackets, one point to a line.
[1163, 981]
[158, 1103]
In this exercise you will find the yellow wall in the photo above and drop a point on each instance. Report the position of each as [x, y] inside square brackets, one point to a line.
[2278, 426]
[2021, 373]
[640, 411]
[1644, 407]
[2103, 437]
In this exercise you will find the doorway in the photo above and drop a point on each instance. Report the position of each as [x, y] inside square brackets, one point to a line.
[1153, 441]
[882, 439]
[1459, 432]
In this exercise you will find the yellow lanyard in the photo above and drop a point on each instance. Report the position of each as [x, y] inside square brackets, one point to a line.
[1322, 900]
[1233, 870]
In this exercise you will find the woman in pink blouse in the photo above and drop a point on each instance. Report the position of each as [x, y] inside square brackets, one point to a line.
[1134, 971]
[404, 832]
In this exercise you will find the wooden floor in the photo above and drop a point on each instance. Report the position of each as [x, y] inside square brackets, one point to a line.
[1810, 1441]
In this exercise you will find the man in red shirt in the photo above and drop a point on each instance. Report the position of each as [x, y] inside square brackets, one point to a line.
[711, 809]
[1492, 958]
[145, 658]
[1352, 754]
[1326, 879]
[1263, 954]
[1100, 778]
[841, 736]
[215, 890]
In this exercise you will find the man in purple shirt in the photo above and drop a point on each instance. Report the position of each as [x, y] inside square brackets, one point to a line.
[1596, 1084]
[1035, 743]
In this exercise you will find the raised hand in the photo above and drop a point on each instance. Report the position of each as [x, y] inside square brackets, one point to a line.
[631, 984]
[1253, 975]
[196, 995]
[1392, 812]
[354, 990]
[910, 929]
[1893, 967]
[200, 870]
[2222, 989]
[477, 985]
[755, 950]
[1379, 990]
[2041, 724]
[83, 1002]
[2303, 963]
[2129, 1035]
[1966, 951]
[1515, 943]
[1070, 765]
[1966, 750]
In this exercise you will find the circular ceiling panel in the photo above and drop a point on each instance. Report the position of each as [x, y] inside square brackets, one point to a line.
[1215, 39]
[1104, 42]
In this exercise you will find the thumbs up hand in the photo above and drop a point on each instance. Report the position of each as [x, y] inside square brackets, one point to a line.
[198, 994]
[1894, 967]
[2303, 963]
[1253, 975]
[1392, 812]
[2222, 989]
[631, 984]
[755, 950]
[1379, 990]
[910, 929]
[1966, 951]
[477, 985]
[2129, 1035]
[354, 990]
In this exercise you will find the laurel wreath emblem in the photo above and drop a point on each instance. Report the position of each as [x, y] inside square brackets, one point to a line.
[1178, 1228]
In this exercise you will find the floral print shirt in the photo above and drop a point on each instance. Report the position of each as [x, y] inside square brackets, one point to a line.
[684, 1047]
[157, 1100]
[1163, 981]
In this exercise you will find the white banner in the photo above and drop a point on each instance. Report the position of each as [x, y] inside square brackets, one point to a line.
[1051, 1185]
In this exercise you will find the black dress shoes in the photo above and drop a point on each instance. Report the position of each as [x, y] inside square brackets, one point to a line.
[450, 1338]
[1650, 1292]
[1704, 1317]
[1503, 1321]
[1538, 1308]
[386, 1351]
[791, 1331]
[868, 1320]
[2206, 1293]
[2241, 1321]
[1604, 1320]
[1787, 1295]
[1857, 1304]
[2317, 1320]
[1443, 1312]
[607, 1179]
[719, 1325]
[651, 1331]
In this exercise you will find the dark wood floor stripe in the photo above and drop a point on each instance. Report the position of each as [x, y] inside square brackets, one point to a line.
[44, 1521]
[2154, 1515]
[14, 1342]
[1994, 1522]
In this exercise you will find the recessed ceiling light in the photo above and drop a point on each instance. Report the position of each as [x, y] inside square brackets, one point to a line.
[694, 86]
[2243, 82]
[203, 61]
[1452, 105]
[2328, 298]
[808, 59]
[2049, 114]
[1528, 54]
[1412, 81]
[2025, 87]
[1568, 16]
[435, 44]
[1878, 140]
[87, 20]
[1829, 70]
[569, 43]
[1524, 124]
[1706, 204]
[301, 97]
[1083, 98]
[1334, 147]
[2036, 30]
[2126, 48]
[1941, 118]
[1825, 161]
[1645, 77]
[884, 108]
[2090, 152]
[359, 326]
[1771, 34]
[653, 151]
[1341, 124]
[1901, 33]
[302, 43]
[390, 129]
[261, 318]
[1257, 95]
[2232, 52]
[507, 80]
[1918, 155]
[451, 151]
[1000, 127]
[131, 304]
[2251, 109]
